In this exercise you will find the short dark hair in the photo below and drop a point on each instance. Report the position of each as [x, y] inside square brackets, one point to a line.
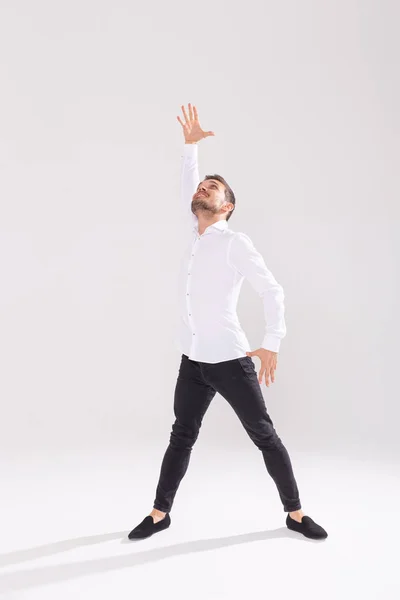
[229, 195]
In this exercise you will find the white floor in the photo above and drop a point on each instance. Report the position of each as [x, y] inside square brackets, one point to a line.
[65, 520]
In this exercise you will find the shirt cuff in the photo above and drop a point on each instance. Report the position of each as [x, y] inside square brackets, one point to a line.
[271, 342]
[190, 150]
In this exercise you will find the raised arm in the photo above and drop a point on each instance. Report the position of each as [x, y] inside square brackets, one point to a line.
[190, 177]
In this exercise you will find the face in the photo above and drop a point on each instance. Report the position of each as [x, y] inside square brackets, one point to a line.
[209, 198]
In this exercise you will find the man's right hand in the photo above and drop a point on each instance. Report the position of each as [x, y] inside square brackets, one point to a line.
[191, 127]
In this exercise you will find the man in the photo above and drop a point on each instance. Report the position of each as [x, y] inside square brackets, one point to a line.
[216, 355]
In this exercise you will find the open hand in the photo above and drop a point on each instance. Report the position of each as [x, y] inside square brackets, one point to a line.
[191, 127]
[269, 362]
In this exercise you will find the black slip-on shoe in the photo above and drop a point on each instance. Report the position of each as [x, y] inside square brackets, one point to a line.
[147, 527]
[307, 527]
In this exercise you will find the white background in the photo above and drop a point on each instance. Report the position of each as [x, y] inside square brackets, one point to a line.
[303, 98]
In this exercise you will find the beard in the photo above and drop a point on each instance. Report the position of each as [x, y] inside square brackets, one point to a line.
[202, 205]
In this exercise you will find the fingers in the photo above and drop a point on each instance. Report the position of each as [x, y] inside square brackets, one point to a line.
[267, 378]
[181, 122]
[192, 118]
[271, 375]
[185, 115]
[267, 371]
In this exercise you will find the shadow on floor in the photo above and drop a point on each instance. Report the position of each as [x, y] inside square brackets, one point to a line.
[38, 576]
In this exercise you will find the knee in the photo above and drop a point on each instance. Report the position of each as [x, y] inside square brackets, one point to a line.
[268, 443]
[266, 438]
[183, 436]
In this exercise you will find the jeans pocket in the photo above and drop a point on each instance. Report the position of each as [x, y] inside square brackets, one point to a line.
[247, 366]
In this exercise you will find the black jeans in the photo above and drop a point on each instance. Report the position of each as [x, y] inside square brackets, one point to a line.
[237, 381]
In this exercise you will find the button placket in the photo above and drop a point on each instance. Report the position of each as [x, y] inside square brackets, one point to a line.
[188, 288]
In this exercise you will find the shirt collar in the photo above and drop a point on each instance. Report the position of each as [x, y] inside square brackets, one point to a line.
[221, 225]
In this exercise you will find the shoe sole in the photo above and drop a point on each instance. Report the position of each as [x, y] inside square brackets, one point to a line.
[310, 537]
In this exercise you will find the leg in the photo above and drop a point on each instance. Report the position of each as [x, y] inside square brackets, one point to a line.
[192, 398]
[236, 380]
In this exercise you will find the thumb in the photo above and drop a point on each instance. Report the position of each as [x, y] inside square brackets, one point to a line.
[209, 133]
[250, 353]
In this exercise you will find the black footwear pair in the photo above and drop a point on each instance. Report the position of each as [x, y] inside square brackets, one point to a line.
[307, 527]
[147, 527]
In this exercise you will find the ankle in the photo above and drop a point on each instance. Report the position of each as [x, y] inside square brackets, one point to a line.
[157, 515]
[297, 515]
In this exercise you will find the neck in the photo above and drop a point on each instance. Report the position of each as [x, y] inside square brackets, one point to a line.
[203, 222]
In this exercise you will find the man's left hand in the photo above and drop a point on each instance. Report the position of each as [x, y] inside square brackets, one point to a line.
[269, 362]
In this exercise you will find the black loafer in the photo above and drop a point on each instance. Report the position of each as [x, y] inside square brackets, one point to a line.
[307, 527]
[147, 527]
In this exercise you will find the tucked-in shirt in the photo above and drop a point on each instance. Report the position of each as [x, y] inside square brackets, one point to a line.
[213, 269]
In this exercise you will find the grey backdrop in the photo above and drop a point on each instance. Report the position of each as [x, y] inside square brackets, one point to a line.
[303, 98]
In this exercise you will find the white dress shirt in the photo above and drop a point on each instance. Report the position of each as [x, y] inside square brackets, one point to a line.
[212, 272]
